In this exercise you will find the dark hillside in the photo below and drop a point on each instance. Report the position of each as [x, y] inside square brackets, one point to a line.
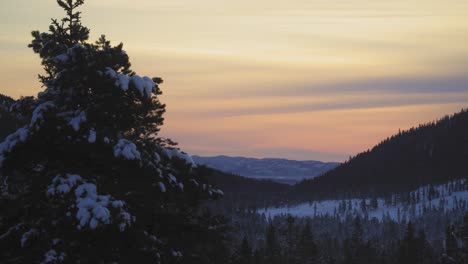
[245, 192]
[430, 153]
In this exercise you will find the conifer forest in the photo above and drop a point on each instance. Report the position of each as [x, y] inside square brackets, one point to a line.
[88, 176]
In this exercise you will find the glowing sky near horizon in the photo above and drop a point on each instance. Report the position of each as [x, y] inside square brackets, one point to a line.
[299, 79]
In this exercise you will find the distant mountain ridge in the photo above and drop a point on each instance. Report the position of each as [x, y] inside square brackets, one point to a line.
[280, 170]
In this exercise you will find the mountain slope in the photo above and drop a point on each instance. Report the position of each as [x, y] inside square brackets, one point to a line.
[244, 192]
[431, 153]
[280, 170]
[428, 199]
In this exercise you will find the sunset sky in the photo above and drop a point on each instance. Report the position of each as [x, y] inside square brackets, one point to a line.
[299, 79]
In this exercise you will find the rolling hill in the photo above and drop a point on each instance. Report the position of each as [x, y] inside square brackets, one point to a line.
[279, 170]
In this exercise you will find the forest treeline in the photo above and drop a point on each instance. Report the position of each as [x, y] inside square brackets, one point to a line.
[327, 240]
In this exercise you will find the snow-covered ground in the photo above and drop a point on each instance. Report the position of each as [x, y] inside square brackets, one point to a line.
[443, 197]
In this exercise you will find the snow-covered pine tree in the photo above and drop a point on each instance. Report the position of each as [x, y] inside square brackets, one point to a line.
[88, 179]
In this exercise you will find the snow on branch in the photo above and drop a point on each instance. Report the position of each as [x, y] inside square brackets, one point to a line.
[11, 140]
[144, 85]
[53, 256]
[126, 149]
[11, 230]
[27, 235]
[76, 121]
[92, 209]
[38, 113]
[171, 153]
[92, 136]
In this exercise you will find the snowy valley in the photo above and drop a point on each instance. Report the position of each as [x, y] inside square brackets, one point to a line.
[452, 196]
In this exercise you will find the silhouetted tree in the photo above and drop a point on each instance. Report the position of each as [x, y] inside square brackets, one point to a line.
[244, 253]
[306, 247]
[87, 179]
[451, 247]
[272, 247]
[408, 248]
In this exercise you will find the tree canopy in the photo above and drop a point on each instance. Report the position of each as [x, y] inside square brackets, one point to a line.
[88, 179]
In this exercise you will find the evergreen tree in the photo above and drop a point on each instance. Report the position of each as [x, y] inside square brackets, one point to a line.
[306, 248]
[272, 248]
[451, 248]
[257, 257]
[354, 246]
[408, 249]
[374, 204]
[290, 240]
[363, 205]
[245, 252]
[464, 237]
[88, 179]
[424, 250]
